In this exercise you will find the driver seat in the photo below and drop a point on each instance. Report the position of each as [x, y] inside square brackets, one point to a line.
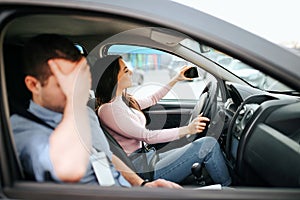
[196, 177]
[115, 147]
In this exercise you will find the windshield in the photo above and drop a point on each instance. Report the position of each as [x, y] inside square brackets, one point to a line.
[246, 72]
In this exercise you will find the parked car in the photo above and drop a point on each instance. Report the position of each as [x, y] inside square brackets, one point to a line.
[257, 129]
[242, 70]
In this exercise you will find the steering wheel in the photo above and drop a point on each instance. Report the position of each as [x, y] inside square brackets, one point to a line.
[207, 105]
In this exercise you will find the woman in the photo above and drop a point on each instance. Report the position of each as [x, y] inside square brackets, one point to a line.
[121, 115]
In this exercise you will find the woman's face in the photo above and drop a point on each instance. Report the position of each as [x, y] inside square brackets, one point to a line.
[124, 76]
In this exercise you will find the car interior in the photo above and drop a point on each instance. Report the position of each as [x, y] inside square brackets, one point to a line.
[258, 130]
[242, 117]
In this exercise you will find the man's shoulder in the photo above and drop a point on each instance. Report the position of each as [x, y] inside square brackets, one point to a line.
[28, 134]
[21, 124]
[17, 120]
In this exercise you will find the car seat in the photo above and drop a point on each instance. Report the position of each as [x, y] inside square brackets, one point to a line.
[116, 148]
[199, 175]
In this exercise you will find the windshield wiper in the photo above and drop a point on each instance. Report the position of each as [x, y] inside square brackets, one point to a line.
[292, 93]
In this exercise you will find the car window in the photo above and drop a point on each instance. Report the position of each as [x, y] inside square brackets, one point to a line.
[81, 49]
[153, 68]
[246, 72]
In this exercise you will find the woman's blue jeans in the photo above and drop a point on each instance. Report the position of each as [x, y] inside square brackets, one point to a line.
[175, 165]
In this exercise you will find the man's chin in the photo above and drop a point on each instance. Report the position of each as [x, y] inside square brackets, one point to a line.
[57, 109]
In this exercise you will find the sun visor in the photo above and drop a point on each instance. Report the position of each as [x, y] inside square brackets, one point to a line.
[165, 38]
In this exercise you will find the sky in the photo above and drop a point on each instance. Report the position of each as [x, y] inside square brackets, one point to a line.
[274, 20]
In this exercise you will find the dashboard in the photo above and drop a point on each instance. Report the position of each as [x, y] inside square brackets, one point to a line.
[263, 138]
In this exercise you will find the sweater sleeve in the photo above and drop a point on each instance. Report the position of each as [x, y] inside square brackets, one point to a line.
[129, 124]
[154, 98]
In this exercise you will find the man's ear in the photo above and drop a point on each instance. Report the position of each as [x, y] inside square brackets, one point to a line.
[32, 84]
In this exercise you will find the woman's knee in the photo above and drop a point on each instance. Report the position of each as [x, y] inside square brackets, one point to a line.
[207, 141]
[206, 145]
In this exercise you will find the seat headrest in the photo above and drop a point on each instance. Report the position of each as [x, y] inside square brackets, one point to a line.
[92, 103]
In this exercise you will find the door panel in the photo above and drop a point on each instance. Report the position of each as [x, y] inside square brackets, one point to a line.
[167, 114]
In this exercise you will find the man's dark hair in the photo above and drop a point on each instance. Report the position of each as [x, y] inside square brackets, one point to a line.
[41, 48]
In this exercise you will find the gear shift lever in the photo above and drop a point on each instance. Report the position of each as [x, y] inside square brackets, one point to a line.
[197, 172]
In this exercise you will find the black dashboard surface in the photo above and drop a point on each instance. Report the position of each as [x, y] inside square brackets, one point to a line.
[263, 140]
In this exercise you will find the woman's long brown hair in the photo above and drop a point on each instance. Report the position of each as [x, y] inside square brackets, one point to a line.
[106, 88]
[131, 101]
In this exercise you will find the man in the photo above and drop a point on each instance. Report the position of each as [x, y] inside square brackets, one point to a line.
[66, 134]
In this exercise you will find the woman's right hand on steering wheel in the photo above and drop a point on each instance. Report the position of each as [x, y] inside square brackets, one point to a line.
[197, 125]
